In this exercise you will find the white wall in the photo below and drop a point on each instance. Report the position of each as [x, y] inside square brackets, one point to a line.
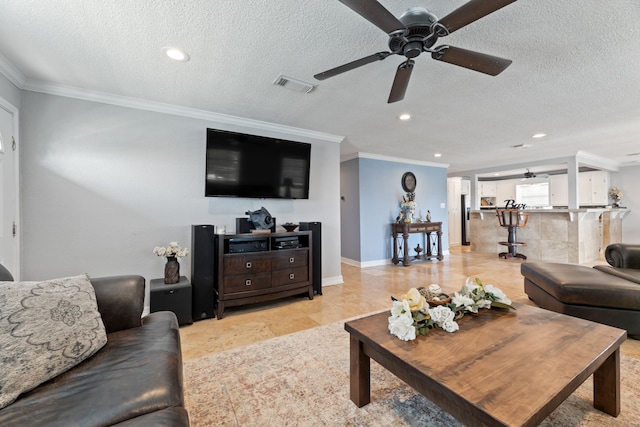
[102, 185]
[627, 179]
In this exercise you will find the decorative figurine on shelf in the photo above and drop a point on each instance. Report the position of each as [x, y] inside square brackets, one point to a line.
[400, 217]
[261, 218]
[408, 206]
[428, 216]
[418, 249]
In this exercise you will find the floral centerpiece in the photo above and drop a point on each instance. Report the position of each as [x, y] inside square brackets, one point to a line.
[172, 267]
[408, 206]
[616, 195]
[417, 311]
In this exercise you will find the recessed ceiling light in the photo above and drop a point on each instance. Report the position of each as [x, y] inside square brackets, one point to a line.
[496, 174]
[437, 155]
[539, 135]
[405, 116]
[175, 54]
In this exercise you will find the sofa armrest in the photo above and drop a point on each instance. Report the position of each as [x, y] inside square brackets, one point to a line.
[623, 255]
[120, 301]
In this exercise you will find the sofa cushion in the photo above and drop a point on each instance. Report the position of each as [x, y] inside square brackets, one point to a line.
[169, 417]
[45, 329]
[138, 372]
[581, 285]
[631, 274]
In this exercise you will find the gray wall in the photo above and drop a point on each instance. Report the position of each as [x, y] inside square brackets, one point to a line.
[102, 185]
[380, 192]
[350, 209]
[9, 92]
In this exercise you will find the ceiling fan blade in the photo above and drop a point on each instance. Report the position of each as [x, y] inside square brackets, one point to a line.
[375, 13]
[470, 12]
[401, 81]
[475, 61]
[351, 65]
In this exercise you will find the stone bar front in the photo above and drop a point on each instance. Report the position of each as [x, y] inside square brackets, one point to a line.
[555, 235]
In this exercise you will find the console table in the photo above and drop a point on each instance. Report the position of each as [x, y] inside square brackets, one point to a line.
[432, 232]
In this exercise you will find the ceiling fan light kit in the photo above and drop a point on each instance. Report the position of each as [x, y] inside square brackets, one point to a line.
[416, 31]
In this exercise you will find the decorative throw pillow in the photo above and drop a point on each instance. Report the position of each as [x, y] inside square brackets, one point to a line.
[46, 328]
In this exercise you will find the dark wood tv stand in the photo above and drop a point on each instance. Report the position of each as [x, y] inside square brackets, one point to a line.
[256, 267]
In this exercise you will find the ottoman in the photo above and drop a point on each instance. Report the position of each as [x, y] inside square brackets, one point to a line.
[584, 292]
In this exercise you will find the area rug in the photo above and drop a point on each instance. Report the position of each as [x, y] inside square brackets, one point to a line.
[302, 379]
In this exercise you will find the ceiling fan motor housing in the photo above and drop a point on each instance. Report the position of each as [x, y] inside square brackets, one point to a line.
[418, 21]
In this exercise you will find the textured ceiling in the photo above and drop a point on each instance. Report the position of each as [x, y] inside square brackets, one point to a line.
[575, 74]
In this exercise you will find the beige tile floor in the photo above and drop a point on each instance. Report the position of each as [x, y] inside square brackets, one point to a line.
[363, 291]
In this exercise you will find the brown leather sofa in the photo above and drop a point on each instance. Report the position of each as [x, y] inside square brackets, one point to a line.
[134, 380]
[608, 294]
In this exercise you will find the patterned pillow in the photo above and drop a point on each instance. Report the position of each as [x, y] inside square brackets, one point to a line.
[46, 328]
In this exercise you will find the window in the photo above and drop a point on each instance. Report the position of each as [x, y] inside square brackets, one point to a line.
[533, 195]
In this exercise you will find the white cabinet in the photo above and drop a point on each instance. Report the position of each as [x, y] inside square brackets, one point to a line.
[593, 188]
[465, 186]
[559, 190]
[488, 189]
[505, 190]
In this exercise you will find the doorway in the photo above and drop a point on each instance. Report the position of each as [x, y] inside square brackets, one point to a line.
[9, 198]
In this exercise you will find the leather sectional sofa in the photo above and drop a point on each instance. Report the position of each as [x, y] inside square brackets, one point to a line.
[608, 294]
[134, 380]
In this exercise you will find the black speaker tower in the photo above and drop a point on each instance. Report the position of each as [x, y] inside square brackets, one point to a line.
[316, 230]
[203, 271]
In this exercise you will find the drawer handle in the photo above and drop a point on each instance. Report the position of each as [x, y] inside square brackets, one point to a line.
[292, 276]
[248, 264]
[292, 260]
[247, 282]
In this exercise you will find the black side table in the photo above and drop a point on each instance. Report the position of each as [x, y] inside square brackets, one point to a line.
[175, 297]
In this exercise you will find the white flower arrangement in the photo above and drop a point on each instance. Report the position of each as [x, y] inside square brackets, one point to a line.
[411, 315]
[173, 250]
[616, 194]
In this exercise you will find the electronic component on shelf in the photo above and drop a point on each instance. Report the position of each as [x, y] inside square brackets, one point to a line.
[287, 242]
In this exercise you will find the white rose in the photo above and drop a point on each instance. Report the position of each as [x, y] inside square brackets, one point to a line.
[450, 326]
[441, 314]
[402, 326]
[399, 307]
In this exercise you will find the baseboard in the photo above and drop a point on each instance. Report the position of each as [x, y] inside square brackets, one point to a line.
[330, 281]
[375, 263]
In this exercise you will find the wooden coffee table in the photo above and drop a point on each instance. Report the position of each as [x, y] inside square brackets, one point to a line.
[502, 368]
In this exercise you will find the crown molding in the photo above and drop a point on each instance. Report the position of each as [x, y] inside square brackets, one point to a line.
[12, 73]
[159, 107]
[392, 159]
[596, 161]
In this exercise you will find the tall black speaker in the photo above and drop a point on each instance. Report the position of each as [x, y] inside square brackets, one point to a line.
[316, 230]
[202, 271]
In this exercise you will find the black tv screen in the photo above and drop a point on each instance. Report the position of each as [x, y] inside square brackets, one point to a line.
[242, 165]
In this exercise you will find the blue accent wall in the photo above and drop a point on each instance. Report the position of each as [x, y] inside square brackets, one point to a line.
[380, 193]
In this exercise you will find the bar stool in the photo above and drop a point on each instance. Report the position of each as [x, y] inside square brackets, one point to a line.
[512, 219]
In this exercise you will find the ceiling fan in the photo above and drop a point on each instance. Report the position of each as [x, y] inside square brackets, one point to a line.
[416, 31]
[529, 174]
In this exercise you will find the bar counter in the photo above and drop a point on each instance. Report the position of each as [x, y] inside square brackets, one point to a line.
[555, 235]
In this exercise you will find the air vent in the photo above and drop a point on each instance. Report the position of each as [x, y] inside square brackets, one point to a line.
[522, 146]
[293, 84]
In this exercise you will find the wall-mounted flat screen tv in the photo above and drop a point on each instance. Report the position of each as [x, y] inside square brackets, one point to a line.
[242, 165]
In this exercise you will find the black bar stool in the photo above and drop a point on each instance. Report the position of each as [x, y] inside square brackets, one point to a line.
[512, 219]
